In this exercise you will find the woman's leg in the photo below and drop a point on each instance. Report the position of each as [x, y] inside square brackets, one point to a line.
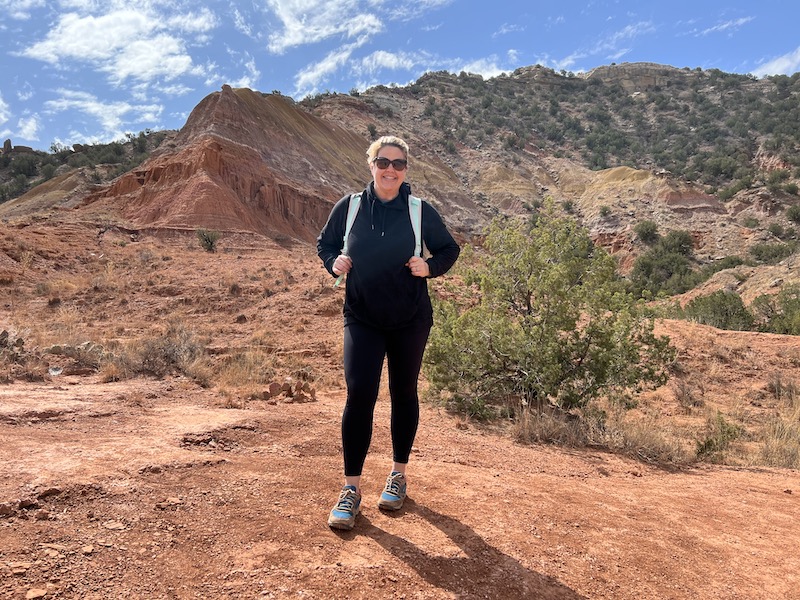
[364, 351]
[404, 355]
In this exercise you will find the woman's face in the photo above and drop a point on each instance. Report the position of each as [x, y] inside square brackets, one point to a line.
[388, 180]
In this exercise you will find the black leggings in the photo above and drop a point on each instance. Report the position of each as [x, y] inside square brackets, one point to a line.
[364, 351]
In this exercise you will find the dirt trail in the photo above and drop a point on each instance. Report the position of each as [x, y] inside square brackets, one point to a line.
[148, 489]
[162, 489]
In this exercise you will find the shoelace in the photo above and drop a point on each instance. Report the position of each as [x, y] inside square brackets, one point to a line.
[347, 500]
[393, 485]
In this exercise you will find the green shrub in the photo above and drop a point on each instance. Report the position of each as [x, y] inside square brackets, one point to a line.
[208, 239]
[646, 231]
[553, 328]
[723, 310]
[771, 253]
[750, 222]
[779, 313]
[666, 267]
[24, 164]
[793, 213]
[719, 435]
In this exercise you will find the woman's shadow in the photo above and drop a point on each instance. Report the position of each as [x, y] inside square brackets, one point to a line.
[482, 571]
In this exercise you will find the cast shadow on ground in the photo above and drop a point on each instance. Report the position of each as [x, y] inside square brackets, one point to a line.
[479, 571]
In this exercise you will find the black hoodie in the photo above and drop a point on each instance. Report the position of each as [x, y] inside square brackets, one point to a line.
[380, 289]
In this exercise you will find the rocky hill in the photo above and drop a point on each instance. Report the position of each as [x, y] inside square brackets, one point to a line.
[247, 161]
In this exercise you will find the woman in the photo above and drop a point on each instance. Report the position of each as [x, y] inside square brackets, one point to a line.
[387, 314]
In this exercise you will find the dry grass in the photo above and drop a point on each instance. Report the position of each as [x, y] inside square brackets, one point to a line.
[644, 437]
[780, 439]
[247, 371]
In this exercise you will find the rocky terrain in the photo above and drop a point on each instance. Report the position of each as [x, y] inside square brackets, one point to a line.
[208, 470]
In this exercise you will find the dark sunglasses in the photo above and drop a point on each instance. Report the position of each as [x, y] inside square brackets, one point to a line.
[399, 164]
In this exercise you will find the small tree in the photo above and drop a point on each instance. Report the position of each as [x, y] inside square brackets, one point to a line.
[552, 327]
[723, 310]
[666, 267]
[647, 231]
[208, 239]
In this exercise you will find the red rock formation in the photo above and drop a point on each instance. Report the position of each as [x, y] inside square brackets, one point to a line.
[241, 163]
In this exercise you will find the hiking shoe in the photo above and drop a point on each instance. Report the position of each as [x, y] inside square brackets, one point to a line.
[394, 493]
[343, 515]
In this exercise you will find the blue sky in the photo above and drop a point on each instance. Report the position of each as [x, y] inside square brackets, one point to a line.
[92, 70]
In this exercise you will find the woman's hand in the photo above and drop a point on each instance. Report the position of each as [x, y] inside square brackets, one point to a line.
[418, 267]
[342, 264]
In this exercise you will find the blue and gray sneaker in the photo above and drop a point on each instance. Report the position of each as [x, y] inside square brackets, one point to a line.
[394, 493]
[343, 515]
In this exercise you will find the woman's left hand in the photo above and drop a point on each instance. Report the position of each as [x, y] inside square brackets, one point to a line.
[418, 267]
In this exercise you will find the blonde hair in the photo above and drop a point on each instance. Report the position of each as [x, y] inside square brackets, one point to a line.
[386, 140]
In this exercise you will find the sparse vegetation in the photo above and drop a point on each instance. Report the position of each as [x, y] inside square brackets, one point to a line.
[721, 309]
[719, 434]
[208, 239]
[647, 231]
[21, 171]
[551, 331]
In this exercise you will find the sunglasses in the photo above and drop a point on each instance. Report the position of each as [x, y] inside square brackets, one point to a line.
[383, 163]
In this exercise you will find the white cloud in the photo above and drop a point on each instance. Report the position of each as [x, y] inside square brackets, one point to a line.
[486, 67]
[409, 10]
[612, 42]
[125, 43]
[111, 115]
[25, 92]
[309, 79]
[28, 128]
[611, 47]
[381, 59]
[161, 57]
[729, 26]
[241, 24]
[19, 9]
[507, 28]
[5, 110]
[311, 21]
[250, 78]
[782, 65]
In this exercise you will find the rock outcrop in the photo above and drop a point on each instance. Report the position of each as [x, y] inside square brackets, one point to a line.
[243, 162]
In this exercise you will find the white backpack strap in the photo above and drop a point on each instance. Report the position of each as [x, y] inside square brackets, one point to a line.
[352, 211]
[415, 213]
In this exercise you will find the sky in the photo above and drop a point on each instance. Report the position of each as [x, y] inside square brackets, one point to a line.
[92, 71]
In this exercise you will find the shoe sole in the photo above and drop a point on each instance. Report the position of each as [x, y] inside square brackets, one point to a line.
[390, 504]
[334, 523]
[344, 526]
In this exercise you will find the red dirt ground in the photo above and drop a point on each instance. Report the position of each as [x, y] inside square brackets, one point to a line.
[148, 488]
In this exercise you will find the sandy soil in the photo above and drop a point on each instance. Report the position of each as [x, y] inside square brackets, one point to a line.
[161, 488]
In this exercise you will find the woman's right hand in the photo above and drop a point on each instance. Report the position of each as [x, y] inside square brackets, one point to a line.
[342, 264]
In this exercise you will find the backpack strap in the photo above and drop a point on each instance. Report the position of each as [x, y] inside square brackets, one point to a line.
[352, 211]
[415, 214]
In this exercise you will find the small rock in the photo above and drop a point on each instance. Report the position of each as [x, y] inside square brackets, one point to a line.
[87, 550]
[35, 593]
[49, 492]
